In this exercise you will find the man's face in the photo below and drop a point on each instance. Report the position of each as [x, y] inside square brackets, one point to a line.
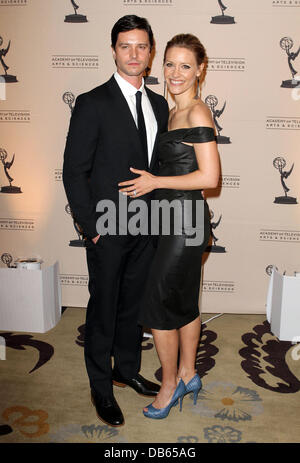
[132, 52]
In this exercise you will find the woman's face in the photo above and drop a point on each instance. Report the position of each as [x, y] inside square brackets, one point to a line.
[181, 70]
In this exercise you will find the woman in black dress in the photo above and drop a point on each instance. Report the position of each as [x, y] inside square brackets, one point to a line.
[189, 163]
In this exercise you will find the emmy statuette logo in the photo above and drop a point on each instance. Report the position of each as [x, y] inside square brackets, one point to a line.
[279, 163]
[7, 260]
[269, 269]
[212, 102]
[69, 99]
[8, 78]
[7, 165]
[75, 18]
[286, 43]
[213, 225]
[79, 243]
[222, 18]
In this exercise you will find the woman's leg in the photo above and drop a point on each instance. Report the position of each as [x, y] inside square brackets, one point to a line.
[166, 343]
[188, 341]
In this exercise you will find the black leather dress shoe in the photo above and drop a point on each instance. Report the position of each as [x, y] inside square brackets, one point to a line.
[108, 410]
[141, 385]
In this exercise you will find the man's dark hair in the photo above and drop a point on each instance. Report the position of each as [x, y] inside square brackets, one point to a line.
[128, 23]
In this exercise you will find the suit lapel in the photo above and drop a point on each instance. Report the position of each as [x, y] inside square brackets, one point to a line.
[122, 106]
[126, 117]
[123, 112]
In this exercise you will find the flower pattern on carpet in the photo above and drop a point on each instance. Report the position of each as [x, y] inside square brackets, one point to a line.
[265, 360]
[227, 401]
[88, 433]
[5, 429]
[30, 423]
[18, 341]
[188, 439]
[220, 434]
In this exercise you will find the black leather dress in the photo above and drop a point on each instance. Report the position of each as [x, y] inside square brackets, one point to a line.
[172, 291]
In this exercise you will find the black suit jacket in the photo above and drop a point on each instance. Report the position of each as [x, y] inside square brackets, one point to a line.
[102, 144]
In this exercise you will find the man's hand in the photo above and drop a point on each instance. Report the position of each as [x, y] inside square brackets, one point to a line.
[95, 239]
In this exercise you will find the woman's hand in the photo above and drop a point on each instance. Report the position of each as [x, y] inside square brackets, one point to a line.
[139, 186]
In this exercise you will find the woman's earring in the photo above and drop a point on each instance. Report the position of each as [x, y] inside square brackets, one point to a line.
[197, 96]
[165, 88]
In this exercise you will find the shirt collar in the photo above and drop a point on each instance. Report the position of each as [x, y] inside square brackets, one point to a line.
[126, 87]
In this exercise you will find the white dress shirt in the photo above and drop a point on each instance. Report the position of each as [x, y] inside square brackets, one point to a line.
[129, 92]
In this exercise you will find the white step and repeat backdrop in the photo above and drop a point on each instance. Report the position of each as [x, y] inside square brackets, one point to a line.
[51, 51]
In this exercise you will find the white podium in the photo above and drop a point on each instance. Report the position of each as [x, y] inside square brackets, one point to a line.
[283, 306]
[30, 300]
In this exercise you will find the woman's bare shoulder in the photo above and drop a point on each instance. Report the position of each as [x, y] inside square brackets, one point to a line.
[200, 115]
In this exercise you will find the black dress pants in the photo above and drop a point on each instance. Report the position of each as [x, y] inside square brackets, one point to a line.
[118, 268]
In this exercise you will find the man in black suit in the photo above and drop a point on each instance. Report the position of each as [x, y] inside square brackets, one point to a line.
[114, 127]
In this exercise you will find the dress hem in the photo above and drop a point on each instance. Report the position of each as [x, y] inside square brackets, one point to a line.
[186, 322]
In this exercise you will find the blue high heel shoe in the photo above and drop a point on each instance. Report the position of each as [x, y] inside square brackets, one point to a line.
[160, 413]
[194, 385]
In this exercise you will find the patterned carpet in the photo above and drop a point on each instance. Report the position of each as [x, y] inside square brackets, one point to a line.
[251, 388]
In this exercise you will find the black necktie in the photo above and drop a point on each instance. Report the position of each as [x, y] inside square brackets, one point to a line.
[141, 124]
